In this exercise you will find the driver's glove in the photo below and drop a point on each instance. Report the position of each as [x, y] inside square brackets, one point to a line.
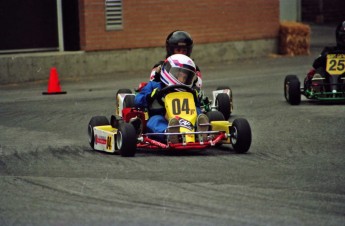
[151, 97]
[196, 93]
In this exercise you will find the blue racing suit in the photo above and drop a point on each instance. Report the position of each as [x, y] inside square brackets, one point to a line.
[157, 122]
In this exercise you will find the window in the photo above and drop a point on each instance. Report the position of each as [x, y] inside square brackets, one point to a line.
[113, 14]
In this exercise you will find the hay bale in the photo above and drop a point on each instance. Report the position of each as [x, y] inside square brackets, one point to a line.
[294, 38]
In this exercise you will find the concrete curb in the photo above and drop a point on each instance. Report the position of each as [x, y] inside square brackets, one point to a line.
[18, 68]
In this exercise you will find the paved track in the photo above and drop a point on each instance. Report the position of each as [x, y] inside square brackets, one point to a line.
[292, 175]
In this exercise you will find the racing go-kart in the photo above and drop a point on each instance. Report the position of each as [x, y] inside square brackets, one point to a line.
[325, 85]
[122, 136]
[222, 100]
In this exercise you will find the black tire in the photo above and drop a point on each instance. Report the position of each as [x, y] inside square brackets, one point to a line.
[128, 102]
[117, 103]
[292, 90]
[240, 135]
[215, 116]
[231, 100]
[126, 140]
[223, 104]
[115, 121]
[95, 121]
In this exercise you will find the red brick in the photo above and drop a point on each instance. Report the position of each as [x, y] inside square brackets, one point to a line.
[147, 23]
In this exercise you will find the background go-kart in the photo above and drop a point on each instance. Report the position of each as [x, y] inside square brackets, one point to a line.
[293, 173]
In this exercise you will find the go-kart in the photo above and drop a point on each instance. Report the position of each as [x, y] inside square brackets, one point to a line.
[122, 136]
[222, 100]
[325, 85]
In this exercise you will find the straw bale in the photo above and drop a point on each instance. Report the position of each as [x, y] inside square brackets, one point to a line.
[294, 38]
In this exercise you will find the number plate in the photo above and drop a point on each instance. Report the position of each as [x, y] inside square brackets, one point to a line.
[335, 64]
[180, 104]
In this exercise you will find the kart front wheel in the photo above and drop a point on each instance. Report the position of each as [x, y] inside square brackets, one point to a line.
[240, 135]
[126, 140]
[95, 121]
[292, 91]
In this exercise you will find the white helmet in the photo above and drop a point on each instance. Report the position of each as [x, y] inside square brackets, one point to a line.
[178, 69]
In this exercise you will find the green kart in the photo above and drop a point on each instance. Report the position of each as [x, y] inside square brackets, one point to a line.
[325, 85]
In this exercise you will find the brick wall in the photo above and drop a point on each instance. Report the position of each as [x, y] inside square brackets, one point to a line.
[147, 23]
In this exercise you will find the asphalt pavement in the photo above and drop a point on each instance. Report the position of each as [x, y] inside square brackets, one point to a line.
[293, 173]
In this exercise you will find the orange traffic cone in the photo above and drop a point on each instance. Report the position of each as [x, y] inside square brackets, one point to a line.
[54, 83]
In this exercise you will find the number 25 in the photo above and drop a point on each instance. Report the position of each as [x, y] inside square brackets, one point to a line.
[337, 65]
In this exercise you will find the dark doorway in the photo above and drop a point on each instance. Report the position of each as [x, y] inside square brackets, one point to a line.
[32, 25]
[28, 25]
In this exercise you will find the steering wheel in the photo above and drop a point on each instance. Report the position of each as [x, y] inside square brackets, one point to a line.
[171, 88]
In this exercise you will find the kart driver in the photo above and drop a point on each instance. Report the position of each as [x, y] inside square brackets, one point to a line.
[319, 64]
[177, 69]
[177, 42]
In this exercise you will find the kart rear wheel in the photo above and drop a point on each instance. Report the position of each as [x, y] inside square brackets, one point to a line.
[95, 121]
[223, 104]
[215, 116]
[117, 101]
[292, 91]
[128, 102]
[126, 140]
[240, 135]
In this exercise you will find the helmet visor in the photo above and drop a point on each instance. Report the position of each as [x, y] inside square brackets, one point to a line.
[181, 50]
[183, 75]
